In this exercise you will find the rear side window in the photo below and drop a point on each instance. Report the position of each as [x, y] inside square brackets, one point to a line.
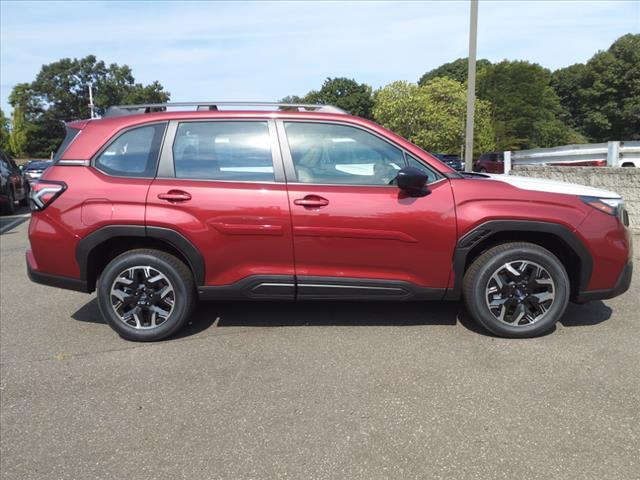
[234, 151]
[134, 153]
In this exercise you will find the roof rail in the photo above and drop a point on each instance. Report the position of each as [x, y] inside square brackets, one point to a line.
[120, 110]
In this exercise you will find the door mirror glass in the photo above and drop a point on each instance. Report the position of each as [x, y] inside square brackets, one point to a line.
[413, 182]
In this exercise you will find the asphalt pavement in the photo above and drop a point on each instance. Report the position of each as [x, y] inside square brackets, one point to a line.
[312, 391]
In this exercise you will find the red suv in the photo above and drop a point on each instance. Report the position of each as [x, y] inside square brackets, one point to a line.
[154, 209]
[492, 162]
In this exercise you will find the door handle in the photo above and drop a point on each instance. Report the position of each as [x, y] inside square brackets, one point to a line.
[175, 196]
[311, 201]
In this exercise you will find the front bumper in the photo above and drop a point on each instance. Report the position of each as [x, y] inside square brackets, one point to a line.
[622, 285]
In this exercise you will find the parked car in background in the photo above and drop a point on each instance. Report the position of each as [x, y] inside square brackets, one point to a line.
[154, 210]
[452, 160]
[492, 162]
[14, 187]
[34, 169]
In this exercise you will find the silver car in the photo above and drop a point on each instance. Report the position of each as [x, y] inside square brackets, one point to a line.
[34, 170]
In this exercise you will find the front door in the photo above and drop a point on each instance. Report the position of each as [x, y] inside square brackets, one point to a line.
[356, 235]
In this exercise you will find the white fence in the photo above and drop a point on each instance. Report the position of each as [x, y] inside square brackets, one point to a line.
[612, 154]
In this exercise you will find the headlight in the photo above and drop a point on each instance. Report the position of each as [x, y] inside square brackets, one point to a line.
[610, 206]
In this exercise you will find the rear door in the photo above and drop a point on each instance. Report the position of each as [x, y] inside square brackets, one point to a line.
[356, 235]
[220, 184]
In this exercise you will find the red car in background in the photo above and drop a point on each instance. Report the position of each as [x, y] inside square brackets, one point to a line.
[492, 162]
[154, 209]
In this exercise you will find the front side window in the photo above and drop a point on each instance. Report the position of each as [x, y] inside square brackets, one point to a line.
[326, 153]
[234, 151]
[134, 153]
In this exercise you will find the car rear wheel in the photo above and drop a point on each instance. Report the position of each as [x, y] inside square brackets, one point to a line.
[483, 170]
[516, 290]
[146, 295]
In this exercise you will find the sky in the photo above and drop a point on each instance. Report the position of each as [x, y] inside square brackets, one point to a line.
[263, 51]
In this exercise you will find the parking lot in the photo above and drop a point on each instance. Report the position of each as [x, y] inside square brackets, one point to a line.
[309, 390]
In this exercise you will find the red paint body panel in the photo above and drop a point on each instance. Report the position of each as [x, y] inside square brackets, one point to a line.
[610, 245]
[241, 229]
[480, 200]
[375, 232]
[92, 200]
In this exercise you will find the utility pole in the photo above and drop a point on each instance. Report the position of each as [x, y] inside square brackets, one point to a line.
[92, 107]
[471, 86]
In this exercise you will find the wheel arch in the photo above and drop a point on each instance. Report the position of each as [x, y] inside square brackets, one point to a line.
[556, 238]
[98, 248]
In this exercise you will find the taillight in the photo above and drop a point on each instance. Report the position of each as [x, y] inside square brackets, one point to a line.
[44, 192]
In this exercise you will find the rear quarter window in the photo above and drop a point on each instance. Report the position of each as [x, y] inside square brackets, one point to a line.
[134, 153]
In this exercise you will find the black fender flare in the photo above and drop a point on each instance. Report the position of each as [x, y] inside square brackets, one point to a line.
[487, 229]
[167, 235]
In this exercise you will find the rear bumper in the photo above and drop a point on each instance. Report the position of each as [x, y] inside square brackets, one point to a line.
[621, 286]
[54, 280]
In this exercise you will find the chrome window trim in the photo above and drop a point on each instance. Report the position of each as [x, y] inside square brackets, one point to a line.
[212, 180]
[439, 180]
[80, 163]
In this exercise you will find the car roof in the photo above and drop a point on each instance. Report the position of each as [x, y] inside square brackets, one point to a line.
[96, 132]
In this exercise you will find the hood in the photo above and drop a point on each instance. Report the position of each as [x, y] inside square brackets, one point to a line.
[552, 186]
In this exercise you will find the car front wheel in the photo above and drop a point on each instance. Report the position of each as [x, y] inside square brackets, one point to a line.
[146, 295]
[516, 290]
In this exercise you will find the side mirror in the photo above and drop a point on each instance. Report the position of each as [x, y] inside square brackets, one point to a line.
[413, 182]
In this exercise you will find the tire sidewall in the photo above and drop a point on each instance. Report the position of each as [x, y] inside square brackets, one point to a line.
[181, 307]
[25, 200]
[479, 285]
[10, 208]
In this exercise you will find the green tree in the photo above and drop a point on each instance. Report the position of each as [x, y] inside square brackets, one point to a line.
[566, 82]
[60, 93]
[18, 135]
[64, 86]
[603, 96]
[4, 132]
[526, 111]
[356, 98]
[456, 70]
[433, 115]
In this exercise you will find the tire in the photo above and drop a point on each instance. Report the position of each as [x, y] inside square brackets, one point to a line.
[25, 201]
[540, 284]
[133, 311]
[9, 208]
[483, 170]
